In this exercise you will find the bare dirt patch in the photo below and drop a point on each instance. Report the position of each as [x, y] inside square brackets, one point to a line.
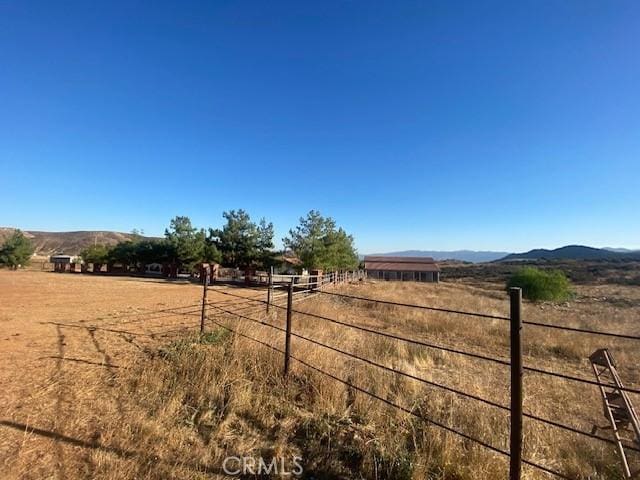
[64, 338]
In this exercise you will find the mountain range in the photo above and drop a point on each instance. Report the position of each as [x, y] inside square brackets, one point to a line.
[462, 255]
[575, 252]
[569, 252]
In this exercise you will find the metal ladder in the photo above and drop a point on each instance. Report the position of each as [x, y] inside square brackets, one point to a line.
[618, 409]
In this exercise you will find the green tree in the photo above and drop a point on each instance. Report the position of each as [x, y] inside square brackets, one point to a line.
[319, 244]
[266, 254]
[211, 252]
[153, 251]
[131, 254]
[307, 239]
[16, 251]
[341, 254]
[241, 242]
[124, 253]
[186, 242]
[96, 254]
[540, 284]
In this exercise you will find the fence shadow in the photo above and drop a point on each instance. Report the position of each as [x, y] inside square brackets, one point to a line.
[95, 445]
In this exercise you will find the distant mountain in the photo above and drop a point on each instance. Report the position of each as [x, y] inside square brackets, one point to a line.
[572, 252]
[462, 255]
[620, 250]
[71, 243]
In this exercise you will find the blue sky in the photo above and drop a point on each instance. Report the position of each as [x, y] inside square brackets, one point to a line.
[416, 125]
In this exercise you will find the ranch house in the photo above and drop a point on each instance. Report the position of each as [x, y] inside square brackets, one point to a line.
[407, 269]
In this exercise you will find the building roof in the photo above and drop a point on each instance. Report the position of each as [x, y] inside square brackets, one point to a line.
[402, 264]
[289, 260]
[60, 257]
[384, 258]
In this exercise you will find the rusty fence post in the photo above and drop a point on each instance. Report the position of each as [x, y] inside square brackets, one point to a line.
[287, 340]
[270, 289]
[205, 287]
[515, 440]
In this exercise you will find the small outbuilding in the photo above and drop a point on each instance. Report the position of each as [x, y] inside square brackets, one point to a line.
[289, 265]
[407, 269]
[63, 263]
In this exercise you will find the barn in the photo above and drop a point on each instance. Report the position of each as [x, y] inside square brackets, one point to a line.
[407, 269]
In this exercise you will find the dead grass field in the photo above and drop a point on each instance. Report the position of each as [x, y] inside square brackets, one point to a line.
[93, 389]
[64, 340]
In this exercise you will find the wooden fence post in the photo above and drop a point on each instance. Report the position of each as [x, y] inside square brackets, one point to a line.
[287, 340]
[205, 287]
[270, 289]
[515, 440]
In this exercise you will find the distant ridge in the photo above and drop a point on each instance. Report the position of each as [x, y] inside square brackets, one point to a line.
[461, 255]
[620, 250]
[574, 252]
[71, 243]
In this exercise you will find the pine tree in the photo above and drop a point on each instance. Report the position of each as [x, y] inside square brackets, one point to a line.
[16, 251]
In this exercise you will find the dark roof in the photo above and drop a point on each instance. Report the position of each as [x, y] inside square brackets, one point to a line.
[60, 258]
[402, 267]
[401, 264]
[383, 258]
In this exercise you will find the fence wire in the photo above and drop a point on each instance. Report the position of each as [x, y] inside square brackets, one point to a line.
[485, 315]
[392, 404]
[424, 381]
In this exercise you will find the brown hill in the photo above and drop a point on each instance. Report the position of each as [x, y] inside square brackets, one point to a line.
[71, 243]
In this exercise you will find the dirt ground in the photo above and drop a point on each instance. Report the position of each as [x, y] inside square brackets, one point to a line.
[66, 340]
[63, 337]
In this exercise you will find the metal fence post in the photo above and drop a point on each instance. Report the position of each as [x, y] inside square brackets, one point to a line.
[287, 340]
[270, 289]
[515, 440]
[205, 287]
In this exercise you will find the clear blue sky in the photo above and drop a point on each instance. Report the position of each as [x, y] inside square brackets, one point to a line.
[427, 125]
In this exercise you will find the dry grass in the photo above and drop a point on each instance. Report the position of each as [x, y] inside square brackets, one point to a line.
[175, 407]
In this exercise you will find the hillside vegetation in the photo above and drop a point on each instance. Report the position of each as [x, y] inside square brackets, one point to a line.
[71, 243]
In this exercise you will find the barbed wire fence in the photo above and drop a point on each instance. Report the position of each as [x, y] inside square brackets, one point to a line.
[284, 297]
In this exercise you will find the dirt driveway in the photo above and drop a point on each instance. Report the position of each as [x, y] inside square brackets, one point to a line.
[63, 337]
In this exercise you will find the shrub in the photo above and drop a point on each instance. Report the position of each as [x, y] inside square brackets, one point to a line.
[16, 251]
[539, 284]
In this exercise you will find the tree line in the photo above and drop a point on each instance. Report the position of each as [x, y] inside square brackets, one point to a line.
[240, 243]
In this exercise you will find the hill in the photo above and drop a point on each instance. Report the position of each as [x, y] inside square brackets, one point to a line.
[572, 252]
[620, 250]
[462, 255]
[47, 243]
